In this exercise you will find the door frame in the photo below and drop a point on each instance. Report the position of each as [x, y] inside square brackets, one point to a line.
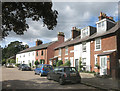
[105, 67]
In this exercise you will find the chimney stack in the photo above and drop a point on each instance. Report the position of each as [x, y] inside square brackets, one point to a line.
[75, 32]
[103, 15]
[38, 42]
[61, 36]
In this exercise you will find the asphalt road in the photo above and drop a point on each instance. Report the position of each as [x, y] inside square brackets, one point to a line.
[12, 78]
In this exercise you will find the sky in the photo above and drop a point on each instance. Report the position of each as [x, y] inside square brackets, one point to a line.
[71, 14]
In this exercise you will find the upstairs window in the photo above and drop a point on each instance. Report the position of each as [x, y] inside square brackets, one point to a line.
[42, 53]
[84, 47]
[59, 51]
[66, 50]
[98, 44]
[84, 32]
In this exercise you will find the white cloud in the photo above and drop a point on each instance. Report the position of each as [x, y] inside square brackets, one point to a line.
[79, 14]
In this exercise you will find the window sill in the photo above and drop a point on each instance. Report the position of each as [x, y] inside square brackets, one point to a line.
[66, 54]
[97, 50]
[95, 67]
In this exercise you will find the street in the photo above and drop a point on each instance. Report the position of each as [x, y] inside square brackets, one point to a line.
[12, 78]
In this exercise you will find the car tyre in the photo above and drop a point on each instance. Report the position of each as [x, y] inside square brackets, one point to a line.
[61, 82]
[35, 73]
[40, 74]
[48, 77]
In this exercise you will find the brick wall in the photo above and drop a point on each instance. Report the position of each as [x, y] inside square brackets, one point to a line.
[107, 43]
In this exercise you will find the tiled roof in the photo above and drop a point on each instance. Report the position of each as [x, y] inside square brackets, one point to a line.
[95, 35]
[42, 46]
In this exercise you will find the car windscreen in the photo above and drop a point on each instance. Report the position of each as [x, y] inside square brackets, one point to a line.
[48, 66]
[70, 69]
[25, 65]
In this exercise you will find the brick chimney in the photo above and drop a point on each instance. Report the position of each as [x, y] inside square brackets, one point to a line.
[38, 42]
[103, 15]
[61, 36]
[75, 32]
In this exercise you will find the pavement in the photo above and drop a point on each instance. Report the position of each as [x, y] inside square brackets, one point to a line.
[101, 83]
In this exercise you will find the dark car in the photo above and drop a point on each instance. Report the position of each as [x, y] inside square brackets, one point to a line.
[64, 74]
[43, 69]
[24, 67]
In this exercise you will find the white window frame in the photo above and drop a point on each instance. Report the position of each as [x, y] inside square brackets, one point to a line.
[66, 50]
[84, 45]
[95, 56]
[59, 51]
[66, 59]
[97, 44]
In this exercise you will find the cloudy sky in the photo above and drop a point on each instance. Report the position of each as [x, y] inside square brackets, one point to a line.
[78, 14]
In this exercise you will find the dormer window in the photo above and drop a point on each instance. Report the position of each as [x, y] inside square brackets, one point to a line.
[85, 32]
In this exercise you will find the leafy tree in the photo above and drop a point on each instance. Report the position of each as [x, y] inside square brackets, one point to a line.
[12, 49]
[60, 62]
[14, 15]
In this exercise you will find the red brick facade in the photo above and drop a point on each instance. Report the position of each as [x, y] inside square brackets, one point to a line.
[107, 43]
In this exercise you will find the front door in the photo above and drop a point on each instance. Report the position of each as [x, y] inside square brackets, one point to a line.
[76, 63]
[71, 61]
[103, 65]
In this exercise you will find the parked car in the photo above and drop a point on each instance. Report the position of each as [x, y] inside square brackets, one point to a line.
[43, 69]
[64, 74]
[9, 65]
[24, 67]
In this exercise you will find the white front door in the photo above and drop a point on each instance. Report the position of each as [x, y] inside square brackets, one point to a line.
[103, 65]
[71, 61]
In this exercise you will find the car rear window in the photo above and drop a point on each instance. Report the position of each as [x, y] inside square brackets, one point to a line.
[70, 69]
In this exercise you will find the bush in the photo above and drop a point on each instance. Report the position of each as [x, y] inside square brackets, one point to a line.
[60, 62]
[3, 61]
[80, 65]
[12, 61]
[66, 64]
[36, 62]
[17, 65]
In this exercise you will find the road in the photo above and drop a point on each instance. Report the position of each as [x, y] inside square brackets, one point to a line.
[12, 78]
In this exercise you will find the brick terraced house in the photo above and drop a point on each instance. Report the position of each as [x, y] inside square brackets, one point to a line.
[40, 52]
[94, 46]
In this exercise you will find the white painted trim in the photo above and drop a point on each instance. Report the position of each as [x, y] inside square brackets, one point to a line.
[95, 60]
[100, 44]
[110, 50]
[71, 51]
[104, 20]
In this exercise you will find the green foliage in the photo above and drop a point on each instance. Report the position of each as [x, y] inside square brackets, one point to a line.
[3, 61]
[60, 62]
[66, 64]
[8, 61]
[97, 65]
[12, 49]
[14, 15]
[17, 65]
[80, 64]
[12, 61]
[36, 62]
[42, 61]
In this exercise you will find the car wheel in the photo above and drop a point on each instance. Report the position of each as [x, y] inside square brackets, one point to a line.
[40, 74]
[48, 77]
[61, 82]
[79, 81]
[35, 73]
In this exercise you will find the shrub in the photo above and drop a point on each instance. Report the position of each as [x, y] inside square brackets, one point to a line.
[66, 64]
[80, 65]
[60, 62]
[12, 61]
[36, 62]
[17, 65]
[3, 61]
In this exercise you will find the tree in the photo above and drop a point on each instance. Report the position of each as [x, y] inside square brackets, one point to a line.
[12, 61]
[12, 49]
[14, 15]
[3, 61]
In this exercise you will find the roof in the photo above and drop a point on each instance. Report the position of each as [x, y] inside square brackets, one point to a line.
[95, 35]
[42, 46]
[105, 53]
